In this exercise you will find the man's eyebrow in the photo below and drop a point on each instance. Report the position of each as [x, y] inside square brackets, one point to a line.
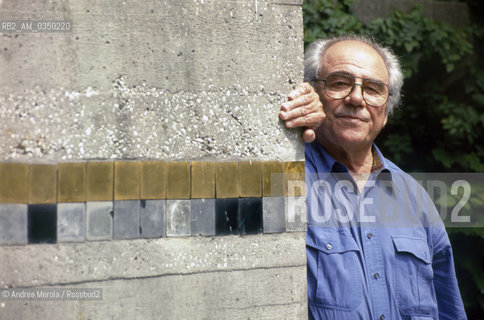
[346, 73]
[343, 73]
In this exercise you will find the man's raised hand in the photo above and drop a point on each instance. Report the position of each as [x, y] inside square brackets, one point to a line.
[304, 109]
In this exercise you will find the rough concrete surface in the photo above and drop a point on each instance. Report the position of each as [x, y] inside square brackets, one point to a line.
[233, 277]
[277, 293]
[192, 79]
[44, 264]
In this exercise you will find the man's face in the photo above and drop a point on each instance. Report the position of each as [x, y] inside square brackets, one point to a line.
[350, 122]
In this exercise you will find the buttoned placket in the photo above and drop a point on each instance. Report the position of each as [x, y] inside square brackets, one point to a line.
[372, 254]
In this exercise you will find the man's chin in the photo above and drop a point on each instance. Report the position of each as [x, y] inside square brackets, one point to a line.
[352, 140]
[344, 141]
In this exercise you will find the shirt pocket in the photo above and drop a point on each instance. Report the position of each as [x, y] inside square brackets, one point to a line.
[338, 275]
[415, 292]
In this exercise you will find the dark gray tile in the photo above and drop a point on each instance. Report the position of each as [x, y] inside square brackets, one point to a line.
[227, 216]
[71, 222]
[152, 218]
[99, 220]
[250, 215]
[13, 224]
[42, 223]
[178, 218]
[274, 216]
[202, 217]
[126, 219]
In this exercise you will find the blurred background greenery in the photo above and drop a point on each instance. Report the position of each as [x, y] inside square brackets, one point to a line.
[440, 125]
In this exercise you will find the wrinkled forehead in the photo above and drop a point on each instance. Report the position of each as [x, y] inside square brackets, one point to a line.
[355, 57]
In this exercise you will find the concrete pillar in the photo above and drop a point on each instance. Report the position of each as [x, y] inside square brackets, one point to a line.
[128, 90]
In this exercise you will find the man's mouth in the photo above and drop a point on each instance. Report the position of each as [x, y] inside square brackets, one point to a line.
[351, 117]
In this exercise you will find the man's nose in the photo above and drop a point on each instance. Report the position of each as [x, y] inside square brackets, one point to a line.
[356, 96]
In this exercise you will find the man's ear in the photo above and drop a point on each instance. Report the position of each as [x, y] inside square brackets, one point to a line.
[386, 119]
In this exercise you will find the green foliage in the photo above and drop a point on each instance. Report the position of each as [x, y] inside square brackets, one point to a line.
[337, 20]
[440, 126]
[411, 34]
[442, 122]
[469, 267]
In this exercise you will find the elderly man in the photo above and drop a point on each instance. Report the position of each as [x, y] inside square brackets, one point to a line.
[376, 246]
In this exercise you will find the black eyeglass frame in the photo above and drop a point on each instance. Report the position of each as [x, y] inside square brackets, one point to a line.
[353, 87]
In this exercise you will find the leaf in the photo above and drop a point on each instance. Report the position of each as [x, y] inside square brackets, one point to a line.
[443, 157]
[409, 46]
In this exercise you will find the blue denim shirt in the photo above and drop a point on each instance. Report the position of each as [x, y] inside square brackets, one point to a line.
[382, 253]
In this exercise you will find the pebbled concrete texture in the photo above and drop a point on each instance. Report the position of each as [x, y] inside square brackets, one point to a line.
[159, 80]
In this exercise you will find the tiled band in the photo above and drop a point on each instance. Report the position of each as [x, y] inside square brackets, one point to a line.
[95, 201]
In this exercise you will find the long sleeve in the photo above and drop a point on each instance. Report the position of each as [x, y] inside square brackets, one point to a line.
[445, 282]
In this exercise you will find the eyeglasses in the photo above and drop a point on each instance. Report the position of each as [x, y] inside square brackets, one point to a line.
[340, 85]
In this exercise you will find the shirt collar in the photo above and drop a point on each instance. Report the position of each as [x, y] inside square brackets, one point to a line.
[385, 169]
[383, 165]
[325, 163]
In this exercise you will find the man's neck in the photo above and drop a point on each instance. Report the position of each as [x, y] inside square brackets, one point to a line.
[359, 161]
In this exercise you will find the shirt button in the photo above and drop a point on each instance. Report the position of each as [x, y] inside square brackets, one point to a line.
[369, 235]
[376, 276]
[329, 246]
[382, 317]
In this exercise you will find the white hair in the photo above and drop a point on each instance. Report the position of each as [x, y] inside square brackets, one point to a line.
[317, 49]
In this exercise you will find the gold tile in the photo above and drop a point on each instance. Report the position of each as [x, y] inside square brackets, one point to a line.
[43, 184]
[203, 179]
[178, 182]
[250, 184]
[153, 180]
[273, 179]
[294, 179]
[71, 182]
[127, 176]
[227, 180]
[100, 181]
[14, 182]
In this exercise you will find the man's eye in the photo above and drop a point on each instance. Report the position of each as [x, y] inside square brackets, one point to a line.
[371, 90]
[340, 84]
[374, 88]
